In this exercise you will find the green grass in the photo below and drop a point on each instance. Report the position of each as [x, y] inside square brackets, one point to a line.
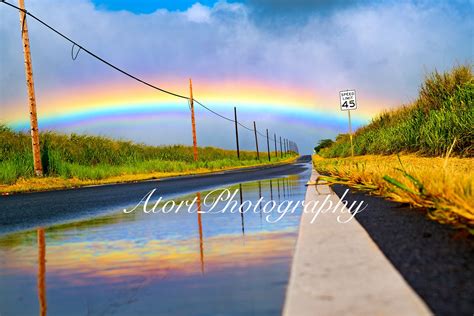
[442, 115]
[94, 157]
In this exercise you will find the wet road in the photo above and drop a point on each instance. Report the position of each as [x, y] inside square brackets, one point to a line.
[24, 211]
[186, 263]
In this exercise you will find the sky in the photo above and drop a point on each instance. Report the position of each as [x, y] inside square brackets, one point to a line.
[282, 63]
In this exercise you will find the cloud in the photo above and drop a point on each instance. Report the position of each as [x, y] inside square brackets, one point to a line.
[382, 50]
[198, 13]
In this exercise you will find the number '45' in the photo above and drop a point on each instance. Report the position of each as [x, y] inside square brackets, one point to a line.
[350, 105]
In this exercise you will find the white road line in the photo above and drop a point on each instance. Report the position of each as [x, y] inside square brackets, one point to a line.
[337, 269]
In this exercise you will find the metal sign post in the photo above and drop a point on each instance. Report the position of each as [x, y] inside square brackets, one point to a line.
[348, 102]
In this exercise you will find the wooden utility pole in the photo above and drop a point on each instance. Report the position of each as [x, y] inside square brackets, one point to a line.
[281, 149]
[236, 132]
[268, 146]
[275, 139]
[256, 139]
[193, 121]
[38, 168]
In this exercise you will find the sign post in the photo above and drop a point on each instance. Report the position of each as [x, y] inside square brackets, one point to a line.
[348, 103]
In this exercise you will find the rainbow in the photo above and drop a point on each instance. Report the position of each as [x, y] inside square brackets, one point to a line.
[122, 101]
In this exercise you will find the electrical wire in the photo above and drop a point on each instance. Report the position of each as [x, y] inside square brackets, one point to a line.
[80, 47]
[93, 54]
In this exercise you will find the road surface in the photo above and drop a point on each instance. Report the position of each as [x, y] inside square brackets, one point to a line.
[29, 210]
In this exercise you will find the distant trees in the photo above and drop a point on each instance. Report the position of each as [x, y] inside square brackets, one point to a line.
[323, 143]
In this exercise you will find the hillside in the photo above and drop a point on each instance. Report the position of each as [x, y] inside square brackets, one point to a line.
[420, 153]
[442, 116]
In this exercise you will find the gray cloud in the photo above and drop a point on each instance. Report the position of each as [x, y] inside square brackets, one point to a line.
[382, 50]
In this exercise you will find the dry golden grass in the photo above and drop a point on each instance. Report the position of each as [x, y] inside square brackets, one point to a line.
[55, 183]
[444, 186]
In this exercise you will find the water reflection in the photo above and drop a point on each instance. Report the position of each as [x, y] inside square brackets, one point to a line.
[41, 271]
[240, 208]
[201, 242]
[271, 190]
[278, 184]
[260, 197]
[151, 263]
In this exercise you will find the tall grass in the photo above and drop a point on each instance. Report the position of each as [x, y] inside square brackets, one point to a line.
[442, 113]
[444, 187]
[94, 157]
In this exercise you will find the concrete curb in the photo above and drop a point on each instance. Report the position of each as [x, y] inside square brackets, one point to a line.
[338, 270]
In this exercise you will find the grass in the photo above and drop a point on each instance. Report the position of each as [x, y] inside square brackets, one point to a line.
[419, 154]
[443, 186]
[74, 160]
[54, 182]
[442, 113]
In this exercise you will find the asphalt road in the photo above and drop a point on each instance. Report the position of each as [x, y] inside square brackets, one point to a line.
[436, 260]
[29, 210]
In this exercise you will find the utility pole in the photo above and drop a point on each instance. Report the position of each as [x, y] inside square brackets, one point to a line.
[275, 139]
[236, 132]
[281, 149]
[193, 122]
[38, 168]
[256, 139]
[268, 146]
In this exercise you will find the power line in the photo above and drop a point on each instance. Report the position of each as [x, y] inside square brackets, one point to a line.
[214, 112]
[80, 47]
[94, 55]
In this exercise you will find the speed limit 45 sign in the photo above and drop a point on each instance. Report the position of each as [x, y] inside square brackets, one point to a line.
[348, 100]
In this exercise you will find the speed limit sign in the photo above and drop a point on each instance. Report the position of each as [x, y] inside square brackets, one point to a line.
[348, 100]
[348, 103]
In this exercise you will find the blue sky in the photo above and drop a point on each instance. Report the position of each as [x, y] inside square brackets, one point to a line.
[281, 7]
[148, 6]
